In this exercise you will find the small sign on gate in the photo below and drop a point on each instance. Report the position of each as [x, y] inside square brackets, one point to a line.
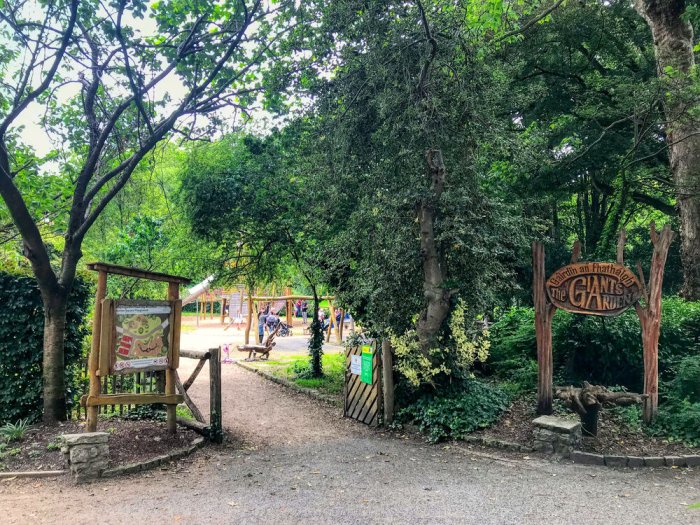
[366, 366]
[356, 364]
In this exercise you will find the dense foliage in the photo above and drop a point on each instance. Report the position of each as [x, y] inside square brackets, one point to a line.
[21, 338]
[601, 350]
[471, 406]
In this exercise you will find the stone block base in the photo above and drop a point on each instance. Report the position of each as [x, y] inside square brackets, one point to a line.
[556, 436]
[87, 455]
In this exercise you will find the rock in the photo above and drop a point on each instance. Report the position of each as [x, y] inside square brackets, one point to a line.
[557, 424]
[654, 461]
[616, 461]
[692, 461]
[674, 461]
[87, 438]
[635, 461]
[587, 458]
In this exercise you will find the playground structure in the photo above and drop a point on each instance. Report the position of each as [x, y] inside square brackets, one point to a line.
[288, 300]
[239, 305]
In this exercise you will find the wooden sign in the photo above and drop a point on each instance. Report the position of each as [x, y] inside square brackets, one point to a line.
[595, 288]
[137, 336]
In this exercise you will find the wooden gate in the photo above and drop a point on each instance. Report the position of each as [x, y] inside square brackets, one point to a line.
[363, 388]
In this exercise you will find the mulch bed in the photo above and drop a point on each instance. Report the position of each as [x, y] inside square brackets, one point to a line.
[129, 442]
[615, 435]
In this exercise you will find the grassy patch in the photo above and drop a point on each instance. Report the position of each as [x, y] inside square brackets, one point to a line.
[293, 369]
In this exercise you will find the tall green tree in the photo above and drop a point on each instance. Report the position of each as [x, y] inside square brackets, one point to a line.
[130, 90]
[675, 46]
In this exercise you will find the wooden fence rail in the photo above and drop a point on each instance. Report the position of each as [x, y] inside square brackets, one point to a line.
[153, 384]
[214, 429]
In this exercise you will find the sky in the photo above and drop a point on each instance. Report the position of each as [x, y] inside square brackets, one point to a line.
[32, 133]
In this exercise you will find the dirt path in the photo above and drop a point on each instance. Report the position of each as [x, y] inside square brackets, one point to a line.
[301, 463]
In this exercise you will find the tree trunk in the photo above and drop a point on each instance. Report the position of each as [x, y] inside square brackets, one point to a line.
[673, 46]
[55, 306]
[437, 298]
[316, 339]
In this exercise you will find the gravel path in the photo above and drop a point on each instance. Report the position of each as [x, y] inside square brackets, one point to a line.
[297, 461]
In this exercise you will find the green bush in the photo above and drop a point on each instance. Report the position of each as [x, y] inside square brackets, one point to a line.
[680, 421]
[686, 384]
[454, 414]
[21, 342]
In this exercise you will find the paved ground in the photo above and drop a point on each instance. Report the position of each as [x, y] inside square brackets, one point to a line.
[295, 461]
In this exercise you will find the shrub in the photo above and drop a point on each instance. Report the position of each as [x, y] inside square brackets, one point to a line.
[21, 342]
[14, 431]
[686, 384]
[680, 421]
[472, 406]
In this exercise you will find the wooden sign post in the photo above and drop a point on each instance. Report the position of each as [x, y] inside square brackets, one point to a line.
[134, 336]
[600, 288]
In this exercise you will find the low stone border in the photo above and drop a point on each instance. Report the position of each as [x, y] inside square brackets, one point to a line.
[33, 474]
[154, 462]
[280, 381]
[611, 460]
[489, 442]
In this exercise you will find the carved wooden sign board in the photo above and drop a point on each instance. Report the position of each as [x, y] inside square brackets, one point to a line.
[594, 288]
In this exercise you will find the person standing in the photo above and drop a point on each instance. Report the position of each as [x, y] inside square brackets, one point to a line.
[262, 319]
[305, 312]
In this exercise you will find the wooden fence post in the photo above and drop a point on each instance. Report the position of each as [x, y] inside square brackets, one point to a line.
[223, 308]
[249, 320]
[93, 361]
[544, 312]
[215, 420]
[388, 381]
[650, 317]
[171, 410]
[331, 320]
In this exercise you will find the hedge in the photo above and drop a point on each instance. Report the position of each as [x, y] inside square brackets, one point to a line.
[21, 342]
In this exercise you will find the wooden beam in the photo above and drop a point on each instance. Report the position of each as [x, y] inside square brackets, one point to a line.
[215, 418]
[200, 428]
[133, 399]
[106, 337]
[249, 320]
[171, 416]
[544, 312]
[188, 400]
[195, 373]
[195, 354]
[388, 381]
[93, 360]
[136, 273]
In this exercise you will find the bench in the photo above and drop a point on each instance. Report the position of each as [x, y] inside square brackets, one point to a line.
[263, 349]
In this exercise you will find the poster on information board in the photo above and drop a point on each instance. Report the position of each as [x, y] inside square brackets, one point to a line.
[142, 336]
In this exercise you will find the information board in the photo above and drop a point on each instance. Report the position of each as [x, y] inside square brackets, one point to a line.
[143, 337]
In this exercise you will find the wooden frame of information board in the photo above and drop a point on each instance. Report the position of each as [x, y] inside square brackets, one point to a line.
[102, 360]
[601, 288]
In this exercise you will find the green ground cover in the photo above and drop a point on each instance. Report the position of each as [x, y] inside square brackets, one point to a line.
[296, 369]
